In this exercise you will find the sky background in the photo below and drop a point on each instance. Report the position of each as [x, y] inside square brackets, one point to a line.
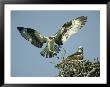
[26, 60]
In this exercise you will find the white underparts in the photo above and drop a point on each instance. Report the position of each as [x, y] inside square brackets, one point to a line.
[48, 44]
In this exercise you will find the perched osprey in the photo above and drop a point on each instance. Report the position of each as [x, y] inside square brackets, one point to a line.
[72, 59]
[78, 55]
[54, 42]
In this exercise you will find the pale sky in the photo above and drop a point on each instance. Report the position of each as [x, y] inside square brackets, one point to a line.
[26, 59]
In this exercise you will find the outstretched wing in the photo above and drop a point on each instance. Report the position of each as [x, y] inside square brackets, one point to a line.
[32, 36]
[68, 29]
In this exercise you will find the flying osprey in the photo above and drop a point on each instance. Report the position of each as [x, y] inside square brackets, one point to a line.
[54, 42]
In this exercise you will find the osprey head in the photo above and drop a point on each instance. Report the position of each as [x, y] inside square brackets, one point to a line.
[80, 49]
[51, 37]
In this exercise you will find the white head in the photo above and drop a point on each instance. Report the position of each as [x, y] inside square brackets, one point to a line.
[80, 47]
[52, 36]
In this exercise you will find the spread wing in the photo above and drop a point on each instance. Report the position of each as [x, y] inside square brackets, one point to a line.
[32, 36]
[68, 29]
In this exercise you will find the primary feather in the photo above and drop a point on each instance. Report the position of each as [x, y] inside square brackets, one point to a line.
[32, 36]
[69, 28]
[53, 42]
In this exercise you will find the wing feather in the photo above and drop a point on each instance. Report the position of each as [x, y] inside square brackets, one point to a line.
[68, 29]
[32, 36]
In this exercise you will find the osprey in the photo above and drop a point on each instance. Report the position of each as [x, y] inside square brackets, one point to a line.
[55, 41]
[78, 55]
[71, 59]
